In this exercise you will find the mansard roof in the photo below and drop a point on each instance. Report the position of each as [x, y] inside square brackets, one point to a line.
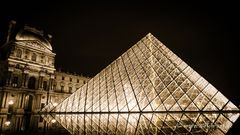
[32, 34]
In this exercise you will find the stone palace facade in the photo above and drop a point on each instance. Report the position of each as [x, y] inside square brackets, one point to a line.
[28, 78]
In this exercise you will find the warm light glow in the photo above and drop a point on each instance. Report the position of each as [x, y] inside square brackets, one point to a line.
[53, 121]
[7, 123]
[10, 102]
[147, 89]
[55, 104]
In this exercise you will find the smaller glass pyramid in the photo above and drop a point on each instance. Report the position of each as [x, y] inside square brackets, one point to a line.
[147, 90]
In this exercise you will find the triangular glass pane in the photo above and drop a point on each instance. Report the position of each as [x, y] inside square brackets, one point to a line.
[231, 116]
[161, 107]
[192, 107]
[176, 107]
[210, 107]
[193, 116]
[230, 106]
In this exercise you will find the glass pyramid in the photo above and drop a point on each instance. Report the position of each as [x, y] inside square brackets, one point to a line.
[147, 90]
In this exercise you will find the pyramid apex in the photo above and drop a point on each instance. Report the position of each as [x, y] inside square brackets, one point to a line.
[151, 81]
[149, 34]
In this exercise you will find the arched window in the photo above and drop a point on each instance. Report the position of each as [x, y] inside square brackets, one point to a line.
[34, 57]
[15, 81]
[42, 59]
[62, 88]
[27, 54]
[50, 61]
[45, 85]
[70, 89]
[31, 83]
[19, 53]
[77, 86]
[28, 103]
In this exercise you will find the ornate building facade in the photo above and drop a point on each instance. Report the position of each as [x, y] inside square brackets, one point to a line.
[28, 78]
[146, 90]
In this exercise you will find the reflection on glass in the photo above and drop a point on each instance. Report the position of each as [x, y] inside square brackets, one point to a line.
[147, 90]
[29, 124]
[145, 123]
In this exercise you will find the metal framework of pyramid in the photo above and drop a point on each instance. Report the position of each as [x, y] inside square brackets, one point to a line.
[147, 90]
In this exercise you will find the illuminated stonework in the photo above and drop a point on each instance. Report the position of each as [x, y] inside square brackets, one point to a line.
[147, 90]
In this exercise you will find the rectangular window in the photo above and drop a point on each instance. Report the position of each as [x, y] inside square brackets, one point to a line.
[45, 85]
[77, 80]
[70, 89]
[42, 105]
[62, 88]
[62, 77]
[15, 81]
[42, 57]
[54, 87]
[70, 79]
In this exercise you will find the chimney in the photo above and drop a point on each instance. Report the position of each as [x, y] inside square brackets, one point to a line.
[11, 27]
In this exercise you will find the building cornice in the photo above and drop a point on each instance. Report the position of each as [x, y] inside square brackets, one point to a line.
[33, 45]
[31, 64]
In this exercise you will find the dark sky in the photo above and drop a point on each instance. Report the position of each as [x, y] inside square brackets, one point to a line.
[89, 36]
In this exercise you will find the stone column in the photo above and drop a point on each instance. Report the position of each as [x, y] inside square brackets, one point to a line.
[40, 81]
[51, 81]
[26, 81]
[23, 101]
[9, 78]
[49, 84]
[37, 102]
[24, 78]
[20, 100]
[3, 98]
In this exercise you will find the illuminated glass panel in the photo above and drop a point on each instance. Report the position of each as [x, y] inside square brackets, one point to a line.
[147, 90]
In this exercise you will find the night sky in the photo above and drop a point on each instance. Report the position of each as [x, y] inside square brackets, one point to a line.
[89, 36]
